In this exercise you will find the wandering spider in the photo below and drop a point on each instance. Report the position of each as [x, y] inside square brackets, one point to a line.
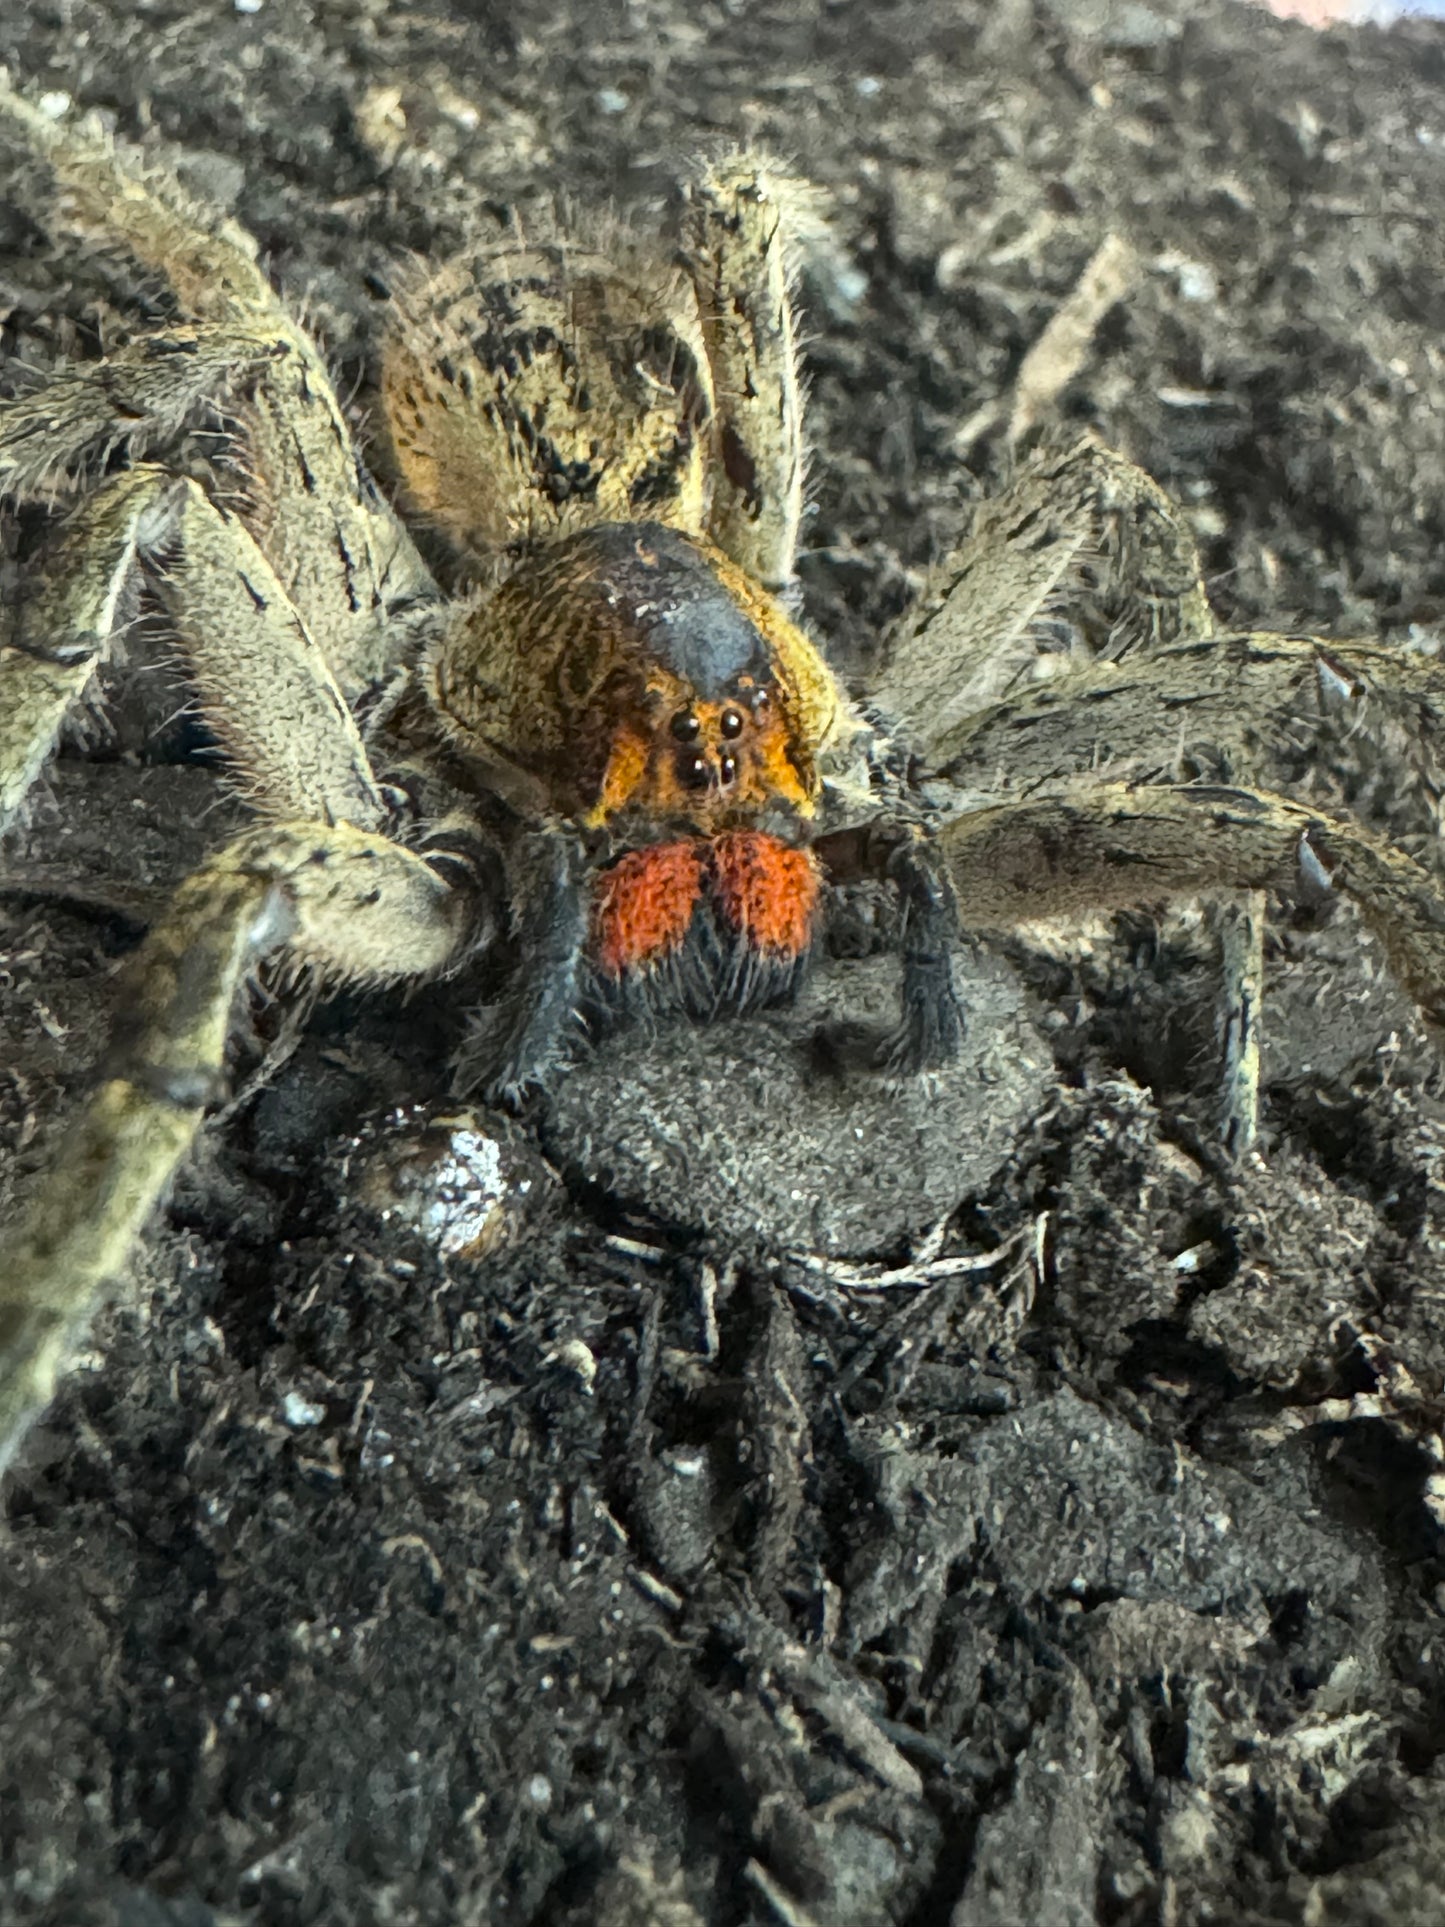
[612, 753]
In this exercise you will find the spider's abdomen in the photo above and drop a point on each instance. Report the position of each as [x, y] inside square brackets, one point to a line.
[634, 678]
[529, 393]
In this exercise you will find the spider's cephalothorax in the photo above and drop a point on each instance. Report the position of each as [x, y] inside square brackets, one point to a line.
[632, 682]
[612, 746]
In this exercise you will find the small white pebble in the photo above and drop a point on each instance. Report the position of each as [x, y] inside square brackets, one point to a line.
[55, 106]
[539, 1790]
[610, 101]
[868, 85]
[578, 1359]
[299, 1412]
[1197, 282]
[248, 6]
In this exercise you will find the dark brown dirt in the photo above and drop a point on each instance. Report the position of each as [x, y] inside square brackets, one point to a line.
[640, 1571]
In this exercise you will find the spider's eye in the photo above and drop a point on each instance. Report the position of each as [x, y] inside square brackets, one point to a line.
[731, 722]
[727, 766]
[685, 726]
[693, 772]
[759, 700]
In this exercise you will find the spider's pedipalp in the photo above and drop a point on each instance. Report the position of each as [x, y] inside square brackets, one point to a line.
[352, 905]
[516, 1046]
[932, 1023]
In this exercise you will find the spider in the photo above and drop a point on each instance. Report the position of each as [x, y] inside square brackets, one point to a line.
[612, 753]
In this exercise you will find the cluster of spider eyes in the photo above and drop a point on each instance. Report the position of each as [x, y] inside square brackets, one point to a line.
[697, 771]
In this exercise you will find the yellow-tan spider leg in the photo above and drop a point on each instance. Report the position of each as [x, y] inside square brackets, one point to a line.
[345, 562]
[1239, 708]
[262, 682]
[333, 541]
[136, 396]
[352, 904]
[1084, 538]
[736, 249]
[1101, 848]
[1143, 592]
[129, 213]
[1080, 538]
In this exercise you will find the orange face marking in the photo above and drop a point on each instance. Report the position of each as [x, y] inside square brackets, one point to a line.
[645, 903]
[766, 890]
[626, 767]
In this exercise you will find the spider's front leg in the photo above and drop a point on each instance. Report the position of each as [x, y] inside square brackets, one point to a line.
[349, 903]
[1112, 846]
[329, 887]
[1086, 551]
[1082, 555]
[324, 881]
[234, 359]
[736, 251]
